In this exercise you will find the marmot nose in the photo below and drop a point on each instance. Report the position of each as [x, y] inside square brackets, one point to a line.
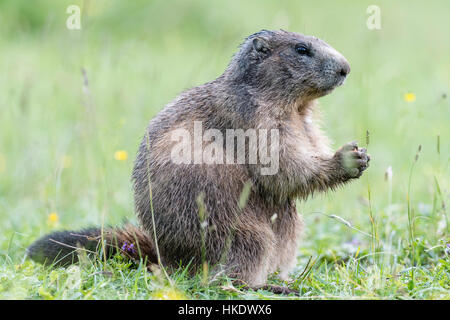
[344, 69]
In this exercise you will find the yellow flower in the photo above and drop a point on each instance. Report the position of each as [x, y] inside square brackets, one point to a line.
[53, 218]
[168, 294]
[409, 97]
[45, 294]
[66, 162]
[121, 155]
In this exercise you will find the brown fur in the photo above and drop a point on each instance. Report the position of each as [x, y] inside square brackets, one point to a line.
[268, 84]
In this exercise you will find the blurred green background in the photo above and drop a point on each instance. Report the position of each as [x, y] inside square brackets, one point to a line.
[60, 131]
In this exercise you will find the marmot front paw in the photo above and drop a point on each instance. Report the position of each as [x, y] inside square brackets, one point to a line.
[352, 160]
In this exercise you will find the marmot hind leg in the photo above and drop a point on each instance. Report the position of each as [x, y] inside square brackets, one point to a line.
[250, 253]
[287, 247]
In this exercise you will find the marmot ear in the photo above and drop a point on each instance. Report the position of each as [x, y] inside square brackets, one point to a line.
[261, 45]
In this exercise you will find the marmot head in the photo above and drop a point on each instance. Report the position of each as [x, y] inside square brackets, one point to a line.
[288, 64]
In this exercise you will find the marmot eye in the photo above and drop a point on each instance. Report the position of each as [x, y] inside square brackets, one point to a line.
[302, 49]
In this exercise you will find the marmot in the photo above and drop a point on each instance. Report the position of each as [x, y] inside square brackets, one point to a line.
[194, 210]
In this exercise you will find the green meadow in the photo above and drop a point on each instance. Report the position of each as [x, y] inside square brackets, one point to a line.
[74, 105]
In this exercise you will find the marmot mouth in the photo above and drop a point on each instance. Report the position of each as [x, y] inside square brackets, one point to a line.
[341, 81]
[337, 83]
[324, 89]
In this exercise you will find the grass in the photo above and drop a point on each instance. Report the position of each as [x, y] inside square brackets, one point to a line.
[68, 138]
